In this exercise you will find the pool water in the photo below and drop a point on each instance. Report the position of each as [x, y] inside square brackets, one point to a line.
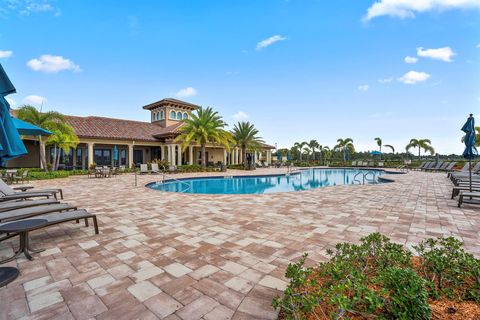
[299, 181]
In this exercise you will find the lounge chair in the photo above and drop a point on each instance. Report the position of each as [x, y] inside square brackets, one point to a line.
[354, 163]
[18, 214]
[371, 164]
[144, 169]
[434, 166]
[56, 218]
[380, 164]
[10, 194]
[155, 168]
[423, 164]
[449, 167]
[469, 197]
[12, 205]
[439, 167]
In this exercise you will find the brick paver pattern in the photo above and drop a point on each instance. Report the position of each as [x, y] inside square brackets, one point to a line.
[183, 256]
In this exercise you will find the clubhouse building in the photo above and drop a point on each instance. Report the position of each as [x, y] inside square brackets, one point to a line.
[136, 141]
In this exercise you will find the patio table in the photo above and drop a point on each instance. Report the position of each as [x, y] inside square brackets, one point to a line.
[22, 227]
[7, 275]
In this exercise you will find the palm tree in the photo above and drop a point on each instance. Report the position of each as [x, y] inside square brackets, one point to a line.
[299, 146]
[246, 137]
[379, 143]
[63, 138]
[50, 120]
[477, 137]
[424, 144]
[326, 153]
[390, 146]
[313, 144]
[206, 126]
[345, 145]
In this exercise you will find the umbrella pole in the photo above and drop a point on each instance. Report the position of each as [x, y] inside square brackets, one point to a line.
[470, 173]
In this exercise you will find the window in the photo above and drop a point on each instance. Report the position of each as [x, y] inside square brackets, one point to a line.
[185, 116]
[102, 157]
[123, 157]
[157, 115]
[162, 114]
[179, 115]
[172, 115]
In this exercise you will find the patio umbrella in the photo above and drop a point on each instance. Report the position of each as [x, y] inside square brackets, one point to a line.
[11, 145]
[375, 153]
[279, 156]
[470, 140]
[29, 129]
[115, 154]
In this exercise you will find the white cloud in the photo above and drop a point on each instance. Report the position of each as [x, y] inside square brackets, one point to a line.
[186, 92]
[363, 87]
[52, 64]
[443, 54]
[11, 102]
[6, 54]
[410, 60]
[269, 41]
[408, 8]
[478, 45]
[413, 77]
[28, 7]
[35, 100]
[240, 116]
[385, 80]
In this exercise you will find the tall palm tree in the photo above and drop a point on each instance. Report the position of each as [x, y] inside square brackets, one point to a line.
[63, 138]
[313, 144]
[246, 137]
[344, 146]
[299, 146]
[379, 143]
[204, 126]
[389, 146]
[50, 120]
[424, 144]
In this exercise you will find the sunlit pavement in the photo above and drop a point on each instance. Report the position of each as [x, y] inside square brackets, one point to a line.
[187, 256]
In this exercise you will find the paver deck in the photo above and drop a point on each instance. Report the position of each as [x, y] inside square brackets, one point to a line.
[184, 256]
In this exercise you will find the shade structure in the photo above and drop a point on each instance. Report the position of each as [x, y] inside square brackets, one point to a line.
[279, 156]
[28, 129]
[11, 145]
[470, 151]
[375, 152]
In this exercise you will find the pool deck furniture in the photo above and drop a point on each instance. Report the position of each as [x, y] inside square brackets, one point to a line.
[22, 228]
[439, 167]
[10, 193]
[21, 178]
[23, 213]
[7, 275]
[144, 169]
[433, 167]
[155, 168]
[12, 205]
[469, 197]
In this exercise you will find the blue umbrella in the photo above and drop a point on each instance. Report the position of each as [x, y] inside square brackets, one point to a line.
[115, 154]
[375, 153]
[279, 156]
[11, 145]
[28, 129]
[470, 152]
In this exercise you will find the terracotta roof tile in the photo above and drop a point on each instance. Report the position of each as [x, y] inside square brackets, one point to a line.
[119, 129]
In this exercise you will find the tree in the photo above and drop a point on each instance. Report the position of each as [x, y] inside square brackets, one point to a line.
[299, 146]
[477, 137]
[344, 146]
[379, 143]
[246, 137]
[390, 146]
[313, 144]
[63, 138]
[424, 144]
[204, 126]
[50, 120]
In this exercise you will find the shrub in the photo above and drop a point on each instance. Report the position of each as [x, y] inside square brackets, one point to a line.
[380, 279]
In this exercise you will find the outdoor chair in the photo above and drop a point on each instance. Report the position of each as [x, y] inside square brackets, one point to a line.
[11, 205]
[155, 168]
[172, 168]
[61, 217]
[469, 197]
[380, 164]
[354, 163]
[440, 165]
[29, 212]
[10, 194]
[144, 169]
[428, 165]
[23, 177]
[449, 167]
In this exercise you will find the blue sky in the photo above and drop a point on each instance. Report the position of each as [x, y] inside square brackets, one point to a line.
[298, 69]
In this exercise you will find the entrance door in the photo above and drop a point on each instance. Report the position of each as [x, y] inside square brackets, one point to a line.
[137, 157]
[102, 157]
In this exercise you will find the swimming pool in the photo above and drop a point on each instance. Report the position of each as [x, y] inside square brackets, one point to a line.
[298, 181]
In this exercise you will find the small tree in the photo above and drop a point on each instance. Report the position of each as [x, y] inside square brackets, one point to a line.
[424, 144]
[246, 137]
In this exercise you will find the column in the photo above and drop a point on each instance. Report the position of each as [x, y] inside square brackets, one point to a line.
[90, 154]
[190, 155]
[240, 158]
[74, 158]
[235, 156]
[180, 153]
[172, 157]
[164, 151]
[225, 157]
[169, 154]
[130, 155]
